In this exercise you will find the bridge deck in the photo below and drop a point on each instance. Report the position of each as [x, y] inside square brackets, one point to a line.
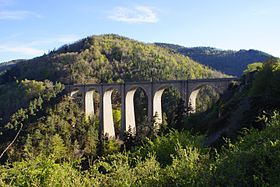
[159, 82]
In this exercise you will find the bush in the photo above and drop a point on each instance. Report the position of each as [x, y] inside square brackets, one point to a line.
[41, 171]
[165, 146]
[253, 160]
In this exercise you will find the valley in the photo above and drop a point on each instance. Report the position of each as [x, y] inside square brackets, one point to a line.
[58, 112]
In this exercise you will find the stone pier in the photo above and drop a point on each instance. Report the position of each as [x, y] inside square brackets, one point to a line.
[188, 90]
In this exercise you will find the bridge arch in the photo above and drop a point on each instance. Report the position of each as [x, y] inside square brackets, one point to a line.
[194, 92]
[75, 91]
[91, 95]
[158, 99]
[153, 91]
[77, 94]
[130, 116]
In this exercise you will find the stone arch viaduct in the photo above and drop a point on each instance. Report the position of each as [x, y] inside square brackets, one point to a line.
[188, 90]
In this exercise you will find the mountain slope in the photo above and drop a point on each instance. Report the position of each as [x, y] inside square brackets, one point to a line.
[227, 61]
[8, 65]
[96, 59]
[109, 58]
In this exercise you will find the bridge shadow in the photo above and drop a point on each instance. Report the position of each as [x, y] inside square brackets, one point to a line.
[203, 98]
[141, 111]
[207, 98]
[170, 102]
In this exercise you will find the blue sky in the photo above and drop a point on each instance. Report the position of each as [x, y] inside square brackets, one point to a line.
[28, 28]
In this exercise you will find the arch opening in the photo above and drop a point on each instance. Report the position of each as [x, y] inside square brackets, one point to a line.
[92, 104]
[74, 93]
[116, 111]
[77, 97]
[172, 106]
[202, 98]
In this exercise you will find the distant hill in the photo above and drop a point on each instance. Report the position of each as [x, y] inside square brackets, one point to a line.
[109, 58]
[228, 61]
[7, 65]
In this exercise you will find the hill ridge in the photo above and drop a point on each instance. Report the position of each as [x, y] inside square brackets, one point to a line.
[232, 62]
[109, 58]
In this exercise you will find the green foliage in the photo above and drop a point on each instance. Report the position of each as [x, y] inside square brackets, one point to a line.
[110, 147]
[180, 115]
[257, 66]
[115, 170]
[117, 120]
[104, 58]
[141, 167]
[64, 133]
[109, 58]
[239, 108]
[266, 80]
[165, 146]
[41, 171]
[59, 130]
[206, 98]
[24, 116]
[58, 146]
[19, 95]
[227, 61]
[252, 161]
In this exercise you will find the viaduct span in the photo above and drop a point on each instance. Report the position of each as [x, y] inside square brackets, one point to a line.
[188, 90]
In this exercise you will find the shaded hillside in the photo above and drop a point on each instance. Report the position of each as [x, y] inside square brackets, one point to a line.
[4, 66]
[109, 58]
[246, 105]
[227, 61]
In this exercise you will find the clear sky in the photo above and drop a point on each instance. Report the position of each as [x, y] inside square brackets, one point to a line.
[28, 28]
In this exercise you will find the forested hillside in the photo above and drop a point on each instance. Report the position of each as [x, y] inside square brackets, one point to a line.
[228, 61]
[97, 59]
[8, 65]
[109, 58]
[58, 147]
[45, 139]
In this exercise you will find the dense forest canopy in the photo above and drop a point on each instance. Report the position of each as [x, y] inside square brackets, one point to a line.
[228, 61]
[109, 58]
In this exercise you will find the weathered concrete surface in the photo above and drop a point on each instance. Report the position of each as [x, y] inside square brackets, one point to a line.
[192, 100]
[89, 106]
[129, 111]
[108, 122]
[157, 109]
